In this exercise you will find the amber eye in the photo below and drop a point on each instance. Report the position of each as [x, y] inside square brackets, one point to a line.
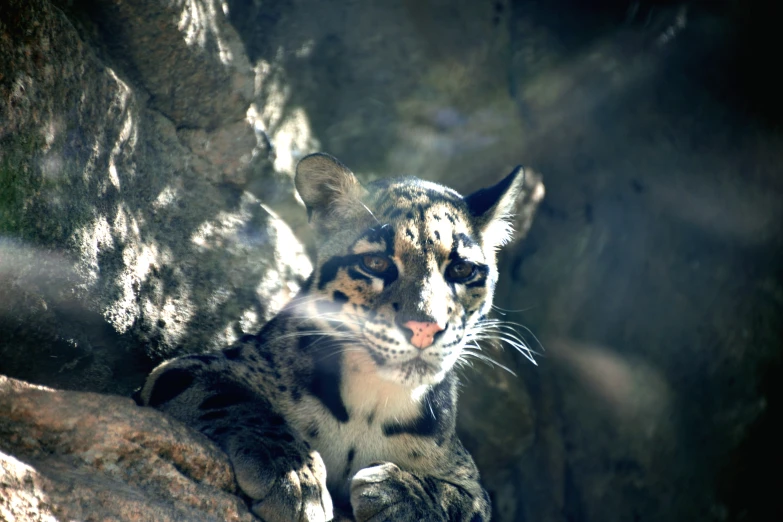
[460, 271]
[376, 264]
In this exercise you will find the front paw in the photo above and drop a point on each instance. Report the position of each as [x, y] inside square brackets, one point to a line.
[289, 486]
[387, 493]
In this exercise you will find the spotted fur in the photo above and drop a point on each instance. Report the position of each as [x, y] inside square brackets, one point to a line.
[344, 397]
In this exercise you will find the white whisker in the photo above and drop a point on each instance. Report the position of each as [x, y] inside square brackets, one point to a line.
[502, 331]
[370, 212]
[488, 361]
[488, 323]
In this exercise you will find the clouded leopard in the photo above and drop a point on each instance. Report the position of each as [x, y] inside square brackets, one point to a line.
[349, 394]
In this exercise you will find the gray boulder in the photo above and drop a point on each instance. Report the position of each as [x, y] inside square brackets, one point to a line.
[126, 233]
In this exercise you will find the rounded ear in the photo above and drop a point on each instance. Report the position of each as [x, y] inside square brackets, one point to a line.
[493, 207]
[327, 187]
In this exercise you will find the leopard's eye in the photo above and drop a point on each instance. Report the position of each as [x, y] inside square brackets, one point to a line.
[459, 271]
[376, 264]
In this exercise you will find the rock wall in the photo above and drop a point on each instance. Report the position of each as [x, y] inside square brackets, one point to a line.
[127, 233]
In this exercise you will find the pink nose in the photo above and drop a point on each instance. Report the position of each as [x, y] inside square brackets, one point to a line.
[423, 333]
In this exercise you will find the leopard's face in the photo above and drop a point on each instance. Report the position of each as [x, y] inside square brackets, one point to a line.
[406, 269]
[410, 283]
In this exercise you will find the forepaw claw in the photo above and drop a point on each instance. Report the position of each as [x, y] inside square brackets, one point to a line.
[297, 493]
[386, 493]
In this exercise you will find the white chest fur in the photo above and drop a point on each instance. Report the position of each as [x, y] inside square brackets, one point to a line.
[371, 403]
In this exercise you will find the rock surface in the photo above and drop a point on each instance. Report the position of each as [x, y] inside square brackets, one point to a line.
[83, 456]
[123, 224]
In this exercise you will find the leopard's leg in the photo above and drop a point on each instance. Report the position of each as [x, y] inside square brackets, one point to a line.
[275, 467]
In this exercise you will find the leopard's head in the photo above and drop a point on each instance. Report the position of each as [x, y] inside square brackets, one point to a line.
[405, 269]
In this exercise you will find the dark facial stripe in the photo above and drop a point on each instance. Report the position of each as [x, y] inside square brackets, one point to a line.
[169, 385]
[358, 276]
[481, 278]
[382, 235]
[390, 275]
[331, 267]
